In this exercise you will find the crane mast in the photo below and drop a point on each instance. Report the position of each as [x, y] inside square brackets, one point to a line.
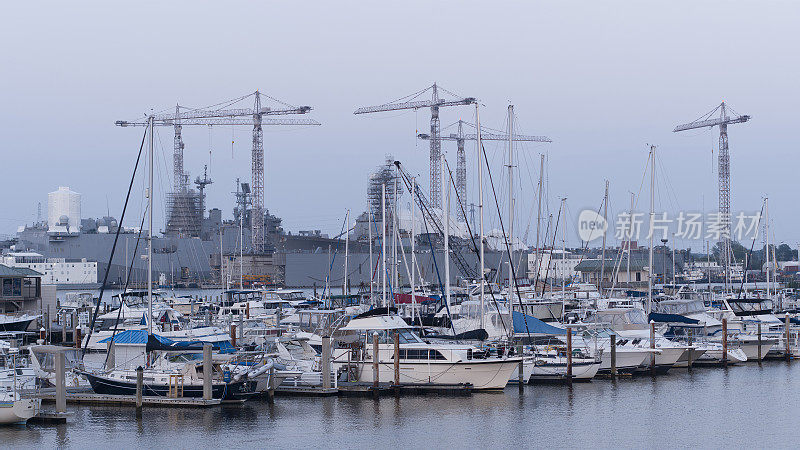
[255, 117]
[436, 151]
[257, 169]
[435, 103]
[724, 175]
[460, 137]
[461, 166]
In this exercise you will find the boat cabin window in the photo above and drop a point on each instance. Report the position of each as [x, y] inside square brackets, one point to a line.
[421, 353]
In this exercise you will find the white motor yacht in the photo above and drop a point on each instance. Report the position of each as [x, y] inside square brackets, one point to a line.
[420, 362]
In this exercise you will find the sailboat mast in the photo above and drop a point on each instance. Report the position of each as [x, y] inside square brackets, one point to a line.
[395, 224]
[383, 242]
[221, 265]
[480, 205]
[371, 263]
[603, 255]
[564, 252]
[766, 238]
[150, 232]
[346, 252]
[539, 217]
[630, 237]
[446, 211]
[241, 248]
[511, 279]
[652, 217]
[413, 252]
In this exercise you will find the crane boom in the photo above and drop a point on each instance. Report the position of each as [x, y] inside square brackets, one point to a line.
[219, 121]
[488, 137]
[710, 123]
[233, 112]
[414, 105]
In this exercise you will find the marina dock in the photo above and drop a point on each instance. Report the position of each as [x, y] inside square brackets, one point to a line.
[129, 400]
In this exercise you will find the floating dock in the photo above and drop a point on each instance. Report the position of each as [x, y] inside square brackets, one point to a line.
[130, 400]
[356, 389]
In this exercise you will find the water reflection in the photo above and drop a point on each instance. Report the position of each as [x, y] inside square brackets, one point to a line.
[632, 412]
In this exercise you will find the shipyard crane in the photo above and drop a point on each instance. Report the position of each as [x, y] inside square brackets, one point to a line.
[722, 120]
[487, 134]
[434, 104]
[257, 116]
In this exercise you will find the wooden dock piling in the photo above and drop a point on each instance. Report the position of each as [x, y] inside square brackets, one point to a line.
[569, 355]
[653, 348]
[326, 362]
[139, 389]
[724, 341]
[613, 356]
[375, 361]
[396, 358]
[61, 385]
[788, 344]
[207, 372]
[520, 372]
[759, 343]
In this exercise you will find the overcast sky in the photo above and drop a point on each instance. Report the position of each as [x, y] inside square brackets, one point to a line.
[602, 79]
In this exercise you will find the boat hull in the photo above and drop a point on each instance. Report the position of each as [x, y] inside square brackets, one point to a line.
[16, 325]
[556, 371]
[235, 390]
[627, 361]
[19, 411]
[683, 361]
[480, 374]
[750, 349]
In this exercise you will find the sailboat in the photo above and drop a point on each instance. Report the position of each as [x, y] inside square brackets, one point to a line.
[174, 363]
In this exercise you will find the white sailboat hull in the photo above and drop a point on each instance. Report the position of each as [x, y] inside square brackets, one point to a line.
[19, 411]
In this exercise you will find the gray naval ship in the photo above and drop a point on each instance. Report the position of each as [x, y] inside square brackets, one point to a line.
[304, 259]
[199, 249]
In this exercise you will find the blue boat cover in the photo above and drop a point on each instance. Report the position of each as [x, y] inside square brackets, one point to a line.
[534, 325]
[674, 318]
[140, 337]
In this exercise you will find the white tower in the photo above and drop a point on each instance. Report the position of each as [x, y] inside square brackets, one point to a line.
[63, 211]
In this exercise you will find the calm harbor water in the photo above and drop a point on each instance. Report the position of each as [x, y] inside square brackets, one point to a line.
[742, 406]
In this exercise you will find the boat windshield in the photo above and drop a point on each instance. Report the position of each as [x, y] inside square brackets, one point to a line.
[751, 307]
[387, 337]
[683, 308]
[626, 317]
